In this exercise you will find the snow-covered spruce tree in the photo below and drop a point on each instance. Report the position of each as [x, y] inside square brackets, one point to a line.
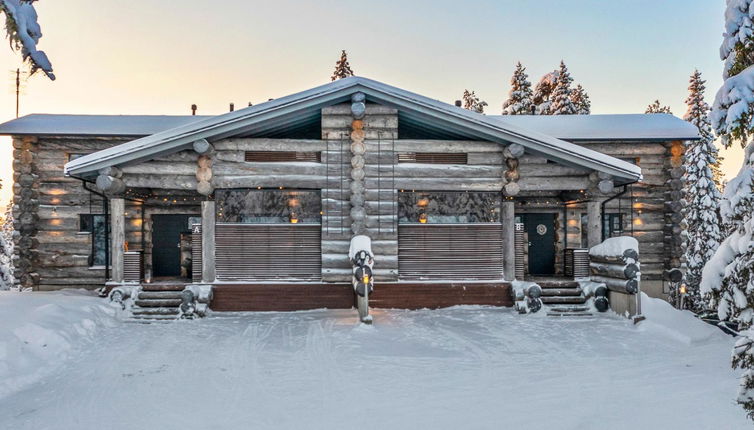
[472, 102]
[342, 68]
[717, 172]
[23, 32]
[701, 198]
[520, 96]
[543, 92]
[6, 250]
[580, 99]
[656, 107]
[728, 276]
[561, 94]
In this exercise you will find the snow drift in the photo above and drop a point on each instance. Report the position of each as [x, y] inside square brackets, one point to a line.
[41, 330]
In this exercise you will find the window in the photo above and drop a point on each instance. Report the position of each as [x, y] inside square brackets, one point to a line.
[448, 207]
[612, 225]
[268, 206]
[433, 157]
[281, 156]
[95, 225]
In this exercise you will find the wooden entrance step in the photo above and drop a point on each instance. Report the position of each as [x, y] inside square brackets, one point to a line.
[163, 286]
[564, 300]
[569, 311]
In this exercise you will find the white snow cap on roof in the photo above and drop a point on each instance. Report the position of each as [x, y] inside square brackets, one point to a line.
[605, 127]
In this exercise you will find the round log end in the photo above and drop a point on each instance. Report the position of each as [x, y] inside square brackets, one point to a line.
[204, 188]
[601, 304]
[511, 189]
[202, 146]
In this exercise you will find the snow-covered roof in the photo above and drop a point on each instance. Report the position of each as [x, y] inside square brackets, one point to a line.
[290, 109]
[656, 126]
[94, 125]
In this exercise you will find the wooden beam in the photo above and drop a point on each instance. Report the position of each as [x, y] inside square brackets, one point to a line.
[594, 223]
[509, 246]
[208, 241]
[117, 239]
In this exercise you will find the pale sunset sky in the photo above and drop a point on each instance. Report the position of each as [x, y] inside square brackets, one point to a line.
[159, 57]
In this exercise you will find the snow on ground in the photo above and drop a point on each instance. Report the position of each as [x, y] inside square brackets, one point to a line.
[39, 331]
[464, 367]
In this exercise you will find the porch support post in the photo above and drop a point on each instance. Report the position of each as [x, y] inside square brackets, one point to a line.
[509, 240]
[117, 239]
[208, 242]
[594, 223]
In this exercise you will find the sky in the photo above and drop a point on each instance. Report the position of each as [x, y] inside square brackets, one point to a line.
[159, 57]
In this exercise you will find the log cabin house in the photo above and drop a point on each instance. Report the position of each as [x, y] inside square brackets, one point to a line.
[261, 202]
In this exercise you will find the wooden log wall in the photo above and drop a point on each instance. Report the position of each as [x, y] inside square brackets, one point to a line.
[656, 202]
[50, 251]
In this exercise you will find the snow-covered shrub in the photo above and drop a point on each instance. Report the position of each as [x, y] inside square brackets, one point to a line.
[472, 102]
[6, 250]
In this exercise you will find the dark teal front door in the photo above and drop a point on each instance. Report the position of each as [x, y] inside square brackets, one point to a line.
[541, 231]
[166, 238]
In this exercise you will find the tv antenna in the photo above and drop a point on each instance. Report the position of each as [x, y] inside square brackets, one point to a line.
[19, 79]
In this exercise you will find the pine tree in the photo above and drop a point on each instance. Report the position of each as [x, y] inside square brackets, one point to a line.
[728, 276]
[520, 96]
[472, 102]
[655, 107]
[561, 94]
[6, 250]
[580, 99]
[23, 32]
[543, 91]
[342, 68]
[701, 197]
[717, 172]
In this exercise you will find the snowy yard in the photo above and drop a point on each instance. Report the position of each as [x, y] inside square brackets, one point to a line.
[66, 362]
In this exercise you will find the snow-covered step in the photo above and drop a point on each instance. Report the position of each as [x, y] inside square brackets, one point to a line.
[161, 295]
[139, 311]
[561, 291]
[563, 300]
[162, 287]
[569, 311]
[158, 303]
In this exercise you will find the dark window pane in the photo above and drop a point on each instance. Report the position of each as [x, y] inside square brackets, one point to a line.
[268, 206]
[448, 207]
[99, 240]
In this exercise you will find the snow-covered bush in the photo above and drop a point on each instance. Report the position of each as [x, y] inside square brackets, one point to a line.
[24, 33]
[543, 92]
[472, 102]
[519, 100]
[656, 107]
[6, 250]
[701, 198]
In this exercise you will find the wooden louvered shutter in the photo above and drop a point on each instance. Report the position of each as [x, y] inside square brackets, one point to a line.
[268, 252]
[450, 251]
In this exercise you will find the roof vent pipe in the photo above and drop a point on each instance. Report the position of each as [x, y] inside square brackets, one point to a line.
[232, 107]
[458, 103]
[193, 109]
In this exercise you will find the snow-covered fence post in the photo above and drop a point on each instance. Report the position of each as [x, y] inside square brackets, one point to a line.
[615, 263]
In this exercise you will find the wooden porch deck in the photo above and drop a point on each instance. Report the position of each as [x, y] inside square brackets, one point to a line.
[399, 295]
